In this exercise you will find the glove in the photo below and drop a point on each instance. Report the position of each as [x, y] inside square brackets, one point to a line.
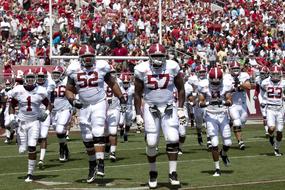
[76, 103]
[43, 116]
[181, 116]
[13, 122]
[123, 104]
[140, 121]
[255, 98]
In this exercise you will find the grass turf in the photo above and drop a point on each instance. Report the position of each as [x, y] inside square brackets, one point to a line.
[254, 168]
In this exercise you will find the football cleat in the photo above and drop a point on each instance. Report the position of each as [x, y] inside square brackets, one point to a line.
[180, 152]
[112, 157]
[41, 165]
[271, 140]
[200, 140]
[173, 179]
[7, 141]
[209, 145]
[152, 182]
[66, 152]
[277, 153]
[29, 178]
[67, 137]
[225, 159]
[100, 170]
[61, 155]
[217, 173]
[241, 145]
[92, 172]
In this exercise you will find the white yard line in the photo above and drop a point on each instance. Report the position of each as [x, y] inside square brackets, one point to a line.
[235, 184]
[131, 149]
[130, 165]
[132, 188]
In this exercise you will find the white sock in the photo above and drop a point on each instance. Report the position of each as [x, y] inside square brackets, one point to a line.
[100, 155]
[8, 133]
[152, 166]
[31, 166]
[277, 144]
[43, 153]
[266, 128]
[113, 148]
[172, 166]
[217, 164]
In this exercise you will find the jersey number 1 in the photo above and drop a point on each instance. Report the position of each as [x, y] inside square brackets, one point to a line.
[29, 103]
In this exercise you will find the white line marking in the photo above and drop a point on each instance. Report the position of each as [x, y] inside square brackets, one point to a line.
[125, 149]
[130, 165]
[50, 183]
[235, 184]
[132, 188]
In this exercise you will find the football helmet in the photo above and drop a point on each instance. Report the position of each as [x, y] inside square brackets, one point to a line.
[275, 73]
[215, 76]
[264, 72]
[87, 56]
[235, 68]
[30, 79]
[57, 73]
[126, 80]
[157, 55]
[201, 71]
[41, 75]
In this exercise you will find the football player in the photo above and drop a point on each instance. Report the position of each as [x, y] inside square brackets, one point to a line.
[274, 87]
[29, 98]
[128, 117]
[238, 111]
[259, 94]
[86, 78]
[216, 99]
[113, 117]
[61, 112]
[49, 85]
[156, 79]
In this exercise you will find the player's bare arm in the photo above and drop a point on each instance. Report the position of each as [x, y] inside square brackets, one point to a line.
[228, 99]
[70, 90]
[111, 82]
[12, 106]
[47, 104]
[139, 86]
[179, 84]
[246, 85]
[202, 101]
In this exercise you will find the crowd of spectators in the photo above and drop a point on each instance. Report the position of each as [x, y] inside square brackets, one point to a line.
[195, 32]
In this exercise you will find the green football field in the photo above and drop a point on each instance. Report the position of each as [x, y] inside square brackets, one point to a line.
[254, 168]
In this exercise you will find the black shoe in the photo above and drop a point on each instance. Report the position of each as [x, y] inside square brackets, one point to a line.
[277, 153]
[180, 152]
[113, 157]
[66, 152]
[173, 179]
[61, 154]
[29, 178]
[271, 140]
[100, 170]
[92, 172]
[200, 140]
[217, 173]
[125, 138]
[225, 159]
[241, 145]
[152, 182]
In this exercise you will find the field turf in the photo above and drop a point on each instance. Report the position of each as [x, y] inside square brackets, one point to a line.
[255, 168]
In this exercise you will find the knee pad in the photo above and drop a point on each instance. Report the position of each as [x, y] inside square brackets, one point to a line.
[227, 142]
[31, 149]
[237, 123]
[60, 129]
[237, 128]
[151, 151]
[112, 130]
[172, 148]
[151, 139]
[215, 140]
[99, 140]
[60, 136]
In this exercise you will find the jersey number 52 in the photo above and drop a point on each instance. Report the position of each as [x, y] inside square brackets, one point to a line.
[87, 82]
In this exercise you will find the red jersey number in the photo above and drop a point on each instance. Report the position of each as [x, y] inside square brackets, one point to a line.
[59, 91]
[274, 92]
[161, 83]
[87, 82]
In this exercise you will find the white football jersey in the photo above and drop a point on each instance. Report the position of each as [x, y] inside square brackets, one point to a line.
[60, 101]
[129, 95]
[112, 100]
[89, 83]
[239, 98]
[158, 83]
[29, 102]
[273, 91]
[215, 93]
